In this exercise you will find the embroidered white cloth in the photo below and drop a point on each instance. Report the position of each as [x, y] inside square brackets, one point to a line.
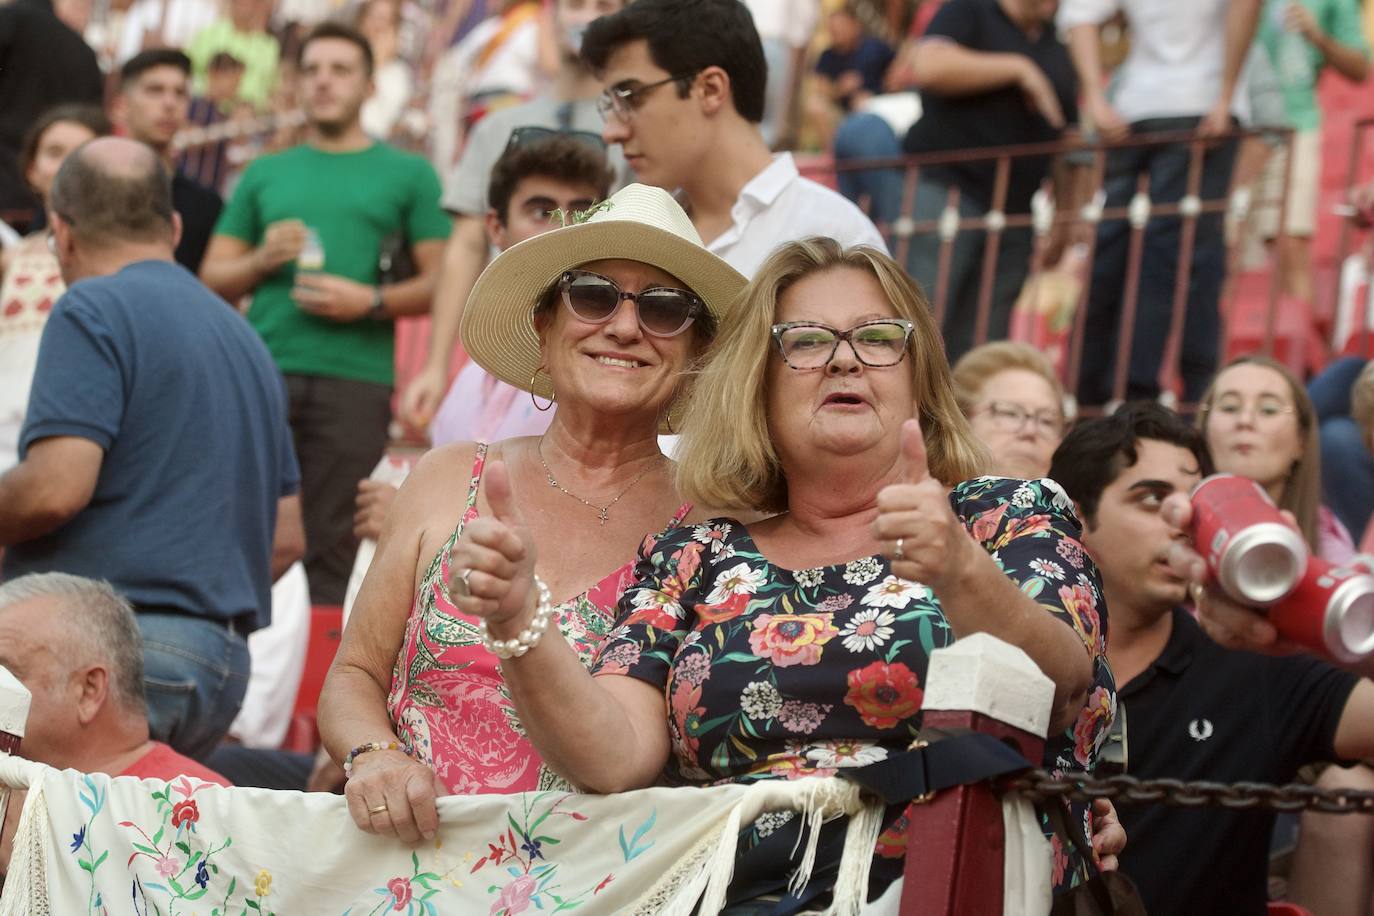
[95, 844]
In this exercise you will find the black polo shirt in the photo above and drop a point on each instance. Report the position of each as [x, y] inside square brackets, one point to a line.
[997, 118]
[1204, 712]
[199, 207]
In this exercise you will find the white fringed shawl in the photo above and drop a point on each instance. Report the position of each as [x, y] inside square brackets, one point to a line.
[96, 844]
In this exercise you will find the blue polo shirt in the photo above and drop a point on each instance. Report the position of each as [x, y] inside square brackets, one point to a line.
[191, 412]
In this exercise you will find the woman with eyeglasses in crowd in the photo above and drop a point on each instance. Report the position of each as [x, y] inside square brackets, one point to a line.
[601, 323]
[1260, 423]
[1014, 403]
[798, 644]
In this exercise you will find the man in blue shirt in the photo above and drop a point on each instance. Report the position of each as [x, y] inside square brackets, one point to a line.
[155, 452]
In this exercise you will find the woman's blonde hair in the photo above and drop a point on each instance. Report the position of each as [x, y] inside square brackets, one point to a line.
[726, 456]
[1302, 491]
[976, 367]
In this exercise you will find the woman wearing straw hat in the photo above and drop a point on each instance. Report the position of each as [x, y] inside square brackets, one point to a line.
[798, 644]
[601, 322]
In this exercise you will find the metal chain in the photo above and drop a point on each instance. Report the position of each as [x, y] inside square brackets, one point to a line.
[1293, 797]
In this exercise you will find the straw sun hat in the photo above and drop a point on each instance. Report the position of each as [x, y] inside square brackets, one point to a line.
[637, 223]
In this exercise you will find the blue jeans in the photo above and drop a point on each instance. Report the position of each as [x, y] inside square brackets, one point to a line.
[1167, 167]
[867, 136]
[1347, 468]
[195, 673]
[964, 281]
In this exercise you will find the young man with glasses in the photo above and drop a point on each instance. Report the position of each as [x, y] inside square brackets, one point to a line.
[1196, 711]
[685, 83]
[568, 107]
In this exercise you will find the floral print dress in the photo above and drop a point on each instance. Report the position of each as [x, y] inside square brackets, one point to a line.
[448, 702]
[778, 673]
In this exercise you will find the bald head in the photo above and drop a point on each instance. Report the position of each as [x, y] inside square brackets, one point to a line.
[113, 190]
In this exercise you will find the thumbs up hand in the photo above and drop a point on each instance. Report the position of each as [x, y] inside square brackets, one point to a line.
[491, 568]
[919, 531]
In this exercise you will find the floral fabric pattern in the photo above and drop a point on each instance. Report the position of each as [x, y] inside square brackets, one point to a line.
[448, 701]
[777, 673]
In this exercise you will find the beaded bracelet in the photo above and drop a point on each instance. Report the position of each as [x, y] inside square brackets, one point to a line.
[364, 748]
[527, 638]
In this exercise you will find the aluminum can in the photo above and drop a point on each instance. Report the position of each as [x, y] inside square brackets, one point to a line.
[1331, 610]
[1256, 558]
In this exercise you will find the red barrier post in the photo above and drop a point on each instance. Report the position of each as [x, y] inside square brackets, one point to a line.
[956, 841]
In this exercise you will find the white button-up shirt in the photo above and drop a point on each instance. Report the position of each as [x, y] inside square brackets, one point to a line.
[778, 205]
[1177, 56]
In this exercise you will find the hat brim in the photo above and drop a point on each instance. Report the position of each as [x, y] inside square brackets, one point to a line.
[497, 329]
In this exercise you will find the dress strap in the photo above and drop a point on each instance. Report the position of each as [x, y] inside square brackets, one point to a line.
[479, 462]
[682, 512]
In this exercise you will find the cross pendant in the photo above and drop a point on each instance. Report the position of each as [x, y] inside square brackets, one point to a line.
[602, 516]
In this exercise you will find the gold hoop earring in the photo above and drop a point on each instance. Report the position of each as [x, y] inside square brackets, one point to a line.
[549, 406]
[668, 418]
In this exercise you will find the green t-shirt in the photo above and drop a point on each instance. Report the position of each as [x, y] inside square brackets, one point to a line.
[1296, 63]
[353, 201]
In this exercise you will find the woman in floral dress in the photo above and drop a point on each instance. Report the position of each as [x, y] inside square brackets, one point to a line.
[799, 644]
[602, 319]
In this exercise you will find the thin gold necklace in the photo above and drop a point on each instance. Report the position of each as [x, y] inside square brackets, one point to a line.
[601, 511]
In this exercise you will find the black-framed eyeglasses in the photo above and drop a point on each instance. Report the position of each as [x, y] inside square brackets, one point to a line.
[524, 136]
[624, 101]
[809, 345]
[663, 311]
[1011, 417]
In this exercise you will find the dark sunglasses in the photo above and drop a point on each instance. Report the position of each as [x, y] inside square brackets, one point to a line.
[524, 136]
[663, 311]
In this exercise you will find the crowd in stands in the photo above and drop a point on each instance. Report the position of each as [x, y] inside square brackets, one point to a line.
[709, 447]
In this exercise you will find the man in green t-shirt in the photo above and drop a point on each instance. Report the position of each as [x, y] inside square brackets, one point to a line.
[1295, 41]
[303, 235]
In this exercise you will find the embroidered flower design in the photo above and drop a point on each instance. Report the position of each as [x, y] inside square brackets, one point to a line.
[1081, 603]
[845, 754]
[760, 700]
[1093, 724]
[791, 639]
[985, 524]
[893, 592]
[713, 536]
[810, 578]
[737, 580]
[722, 611]
[618, 657]
[202, 875]
[692, 668]
[868, 630]
[884, 694]
[185, 812]
[1059, 497]
[1023, 497]
[166, 866]
[1047, 568]
[262, 884]
[836, 603]
[79, 838]
[768, 823]
[862, 572]
[401, 892]
[802, 718]
[532, 847]
[515, 897]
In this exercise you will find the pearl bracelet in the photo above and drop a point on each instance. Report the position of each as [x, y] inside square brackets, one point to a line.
[527, 638]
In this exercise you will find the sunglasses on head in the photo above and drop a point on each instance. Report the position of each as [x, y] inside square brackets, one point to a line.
[524, 136]
[663, 311]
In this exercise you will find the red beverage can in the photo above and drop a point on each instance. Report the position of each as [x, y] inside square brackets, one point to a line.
[1253, 553]
[1331, 611]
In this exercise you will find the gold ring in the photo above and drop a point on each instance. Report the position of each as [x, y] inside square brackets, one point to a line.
[899, 554]
[377, 810]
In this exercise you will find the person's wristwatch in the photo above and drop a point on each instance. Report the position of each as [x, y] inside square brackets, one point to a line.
[377, 311]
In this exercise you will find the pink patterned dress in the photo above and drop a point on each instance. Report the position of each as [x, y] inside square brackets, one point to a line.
[448, 701]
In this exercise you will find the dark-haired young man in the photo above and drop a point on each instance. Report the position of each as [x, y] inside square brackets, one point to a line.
[532, 180]
[329, 319]
[685, 83]
[153, 100]
[155, 452]
[1193, 709]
